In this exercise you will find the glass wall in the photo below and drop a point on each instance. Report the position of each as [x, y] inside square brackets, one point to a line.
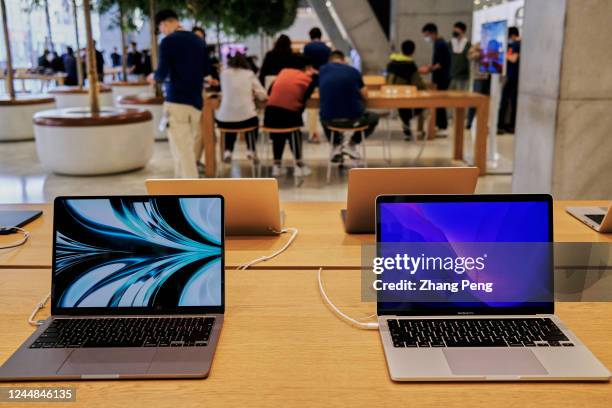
[28, 31]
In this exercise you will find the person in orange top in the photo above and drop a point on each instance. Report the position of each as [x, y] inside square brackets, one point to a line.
[287, 99]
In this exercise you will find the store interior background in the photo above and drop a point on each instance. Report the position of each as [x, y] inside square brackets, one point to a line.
[562, 139]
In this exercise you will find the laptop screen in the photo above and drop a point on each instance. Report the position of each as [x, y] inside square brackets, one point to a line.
[152, 254]
[515, 231]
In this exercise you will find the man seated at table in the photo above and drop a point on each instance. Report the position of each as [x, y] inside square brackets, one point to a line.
[402, 70]
[343, 95]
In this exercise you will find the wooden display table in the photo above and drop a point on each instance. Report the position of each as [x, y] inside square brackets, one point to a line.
[457, 100]
[282, 347]
[321, 240]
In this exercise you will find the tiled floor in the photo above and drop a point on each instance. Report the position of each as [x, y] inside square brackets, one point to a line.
[22, 178]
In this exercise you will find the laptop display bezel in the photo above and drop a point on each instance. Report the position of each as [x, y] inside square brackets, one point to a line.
[528, 309]
[122, 311]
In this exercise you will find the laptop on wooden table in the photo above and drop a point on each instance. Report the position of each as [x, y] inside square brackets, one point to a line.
[475, 299]
[137, 291]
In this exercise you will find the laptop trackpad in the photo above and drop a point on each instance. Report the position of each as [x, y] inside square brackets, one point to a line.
[108, 361]
[493, 361]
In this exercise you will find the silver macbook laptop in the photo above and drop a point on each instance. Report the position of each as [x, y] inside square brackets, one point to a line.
[598, 218]
[137, 291]
[252, 206]
[475, 300]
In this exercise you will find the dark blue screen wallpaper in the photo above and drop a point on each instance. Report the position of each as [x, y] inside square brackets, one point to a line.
[522, 271]
[157, 252]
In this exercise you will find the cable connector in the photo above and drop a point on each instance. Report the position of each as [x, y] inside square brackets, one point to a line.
[40, 306]
[294, 232]
[339, 313]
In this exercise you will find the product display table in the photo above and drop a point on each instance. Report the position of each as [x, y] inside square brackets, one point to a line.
[321, 240]
[282, 347]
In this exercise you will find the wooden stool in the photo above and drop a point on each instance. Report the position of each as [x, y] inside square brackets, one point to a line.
[340, 130]
[239, 132]
[295, 133]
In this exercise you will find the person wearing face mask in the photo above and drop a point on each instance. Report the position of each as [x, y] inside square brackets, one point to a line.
[507, 120]
[460, 63]
[439, 67]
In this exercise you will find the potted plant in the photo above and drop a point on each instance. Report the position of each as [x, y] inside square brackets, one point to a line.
[16, 110]
[93, 140]
[75, 96]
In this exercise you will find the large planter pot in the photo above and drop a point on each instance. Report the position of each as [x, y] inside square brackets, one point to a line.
[154, 104]
[75, 97]
[121, 88]
[16, 115]
[75, 142]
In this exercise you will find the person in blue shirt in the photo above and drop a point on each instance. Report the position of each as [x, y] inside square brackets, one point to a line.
[70, 65]
[342, 103]
[182, 66]
[439, 68]
[316, 50]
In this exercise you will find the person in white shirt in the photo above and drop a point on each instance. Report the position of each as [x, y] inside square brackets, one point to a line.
[240, 88]
[460, 62]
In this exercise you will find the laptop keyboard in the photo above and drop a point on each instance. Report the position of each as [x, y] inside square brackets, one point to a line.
[127, 332]
[529, 332]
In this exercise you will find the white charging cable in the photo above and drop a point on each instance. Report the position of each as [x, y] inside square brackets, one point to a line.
[14, 230]
[354, 322]
[294, 232]
[40, 306]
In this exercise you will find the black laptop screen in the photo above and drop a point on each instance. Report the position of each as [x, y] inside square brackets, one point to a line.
[519, 229]
[145, 254]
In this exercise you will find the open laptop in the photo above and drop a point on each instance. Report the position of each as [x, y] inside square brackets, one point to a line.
[251, 205]
[507, 333]
[17, 218]
[364, 185]
[137, 291]
[598, 218]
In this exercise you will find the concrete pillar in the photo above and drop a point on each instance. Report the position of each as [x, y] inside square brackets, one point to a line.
[563, 139]
[364, 32]
[409, 16]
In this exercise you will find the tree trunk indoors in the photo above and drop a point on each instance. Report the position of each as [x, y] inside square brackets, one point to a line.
[123, 43]
[10, 86]
[153, 30]
[92, 74]
[78, 45]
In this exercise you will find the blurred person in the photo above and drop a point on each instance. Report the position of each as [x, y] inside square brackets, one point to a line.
[288, 95]
[509, 95]
[57, 63]
[99, 63]
[279, 57]
[134, 60]
[252, 60]
[199, 31]
[240, 88]
[181, 67]
[439, 67]
[460, 62]
[115, 58]
[44, 61]
[147, 66]
[343, 95]
[316, 50]
[70, 65]
[482, 80]
[402, 70]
